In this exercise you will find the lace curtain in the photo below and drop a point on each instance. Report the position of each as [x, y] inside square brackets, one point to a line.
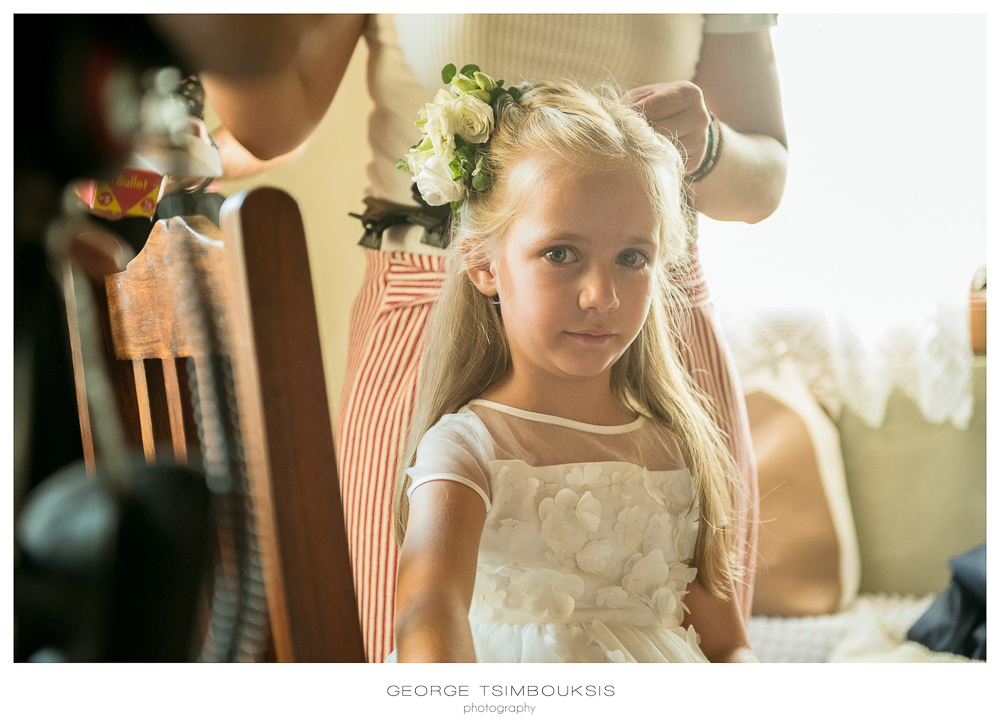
[862, 276]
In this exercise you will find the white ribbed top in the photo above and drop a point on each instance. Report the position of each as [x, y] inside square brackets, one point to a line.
[407, 52]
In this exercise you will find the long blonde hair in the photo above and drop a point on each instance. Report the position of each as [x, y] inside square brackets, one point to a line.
[465, 345]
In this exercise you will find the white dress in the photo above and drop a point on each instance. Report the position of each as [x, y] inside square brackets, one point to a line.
[588, 530]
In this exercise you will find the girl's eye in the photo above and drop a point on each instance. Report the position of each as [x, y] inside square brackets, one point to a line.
[560, 255]
[631, 257]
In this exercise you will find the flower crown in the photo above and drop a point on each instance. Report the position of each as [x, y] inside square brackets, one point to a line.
[448, 160]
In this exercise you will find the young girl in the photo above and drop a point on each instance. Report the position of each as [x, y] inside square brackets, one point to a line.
[563, 495]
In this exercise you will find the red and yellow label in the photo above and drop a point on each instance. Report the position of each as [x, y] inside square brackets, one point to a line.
[134, 192]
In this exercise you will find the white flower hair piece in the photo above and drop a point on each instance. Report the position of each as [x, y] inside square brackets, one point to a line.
[448, 161]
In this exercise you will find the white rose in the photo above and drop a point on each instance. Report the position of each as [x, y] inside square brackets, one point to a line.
[415, 160]
[436, 184]
[439, 123]
[472, 119]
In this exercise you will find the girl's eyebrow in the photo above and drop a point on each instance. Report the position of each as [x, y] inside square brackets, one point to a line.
[570, 236]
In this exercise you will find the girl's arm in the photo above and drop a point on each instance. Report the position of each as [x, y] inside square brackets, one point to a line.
[272, 112]
[720, 625]
[737, 80]
[437, 573]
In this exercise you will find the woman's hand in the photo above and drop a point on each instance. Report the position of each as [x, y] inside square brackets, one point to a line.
[678, 111]
[737, 80]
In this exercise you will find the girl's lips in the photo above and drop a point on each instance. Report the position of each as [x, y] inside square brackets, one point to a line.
[591, 336]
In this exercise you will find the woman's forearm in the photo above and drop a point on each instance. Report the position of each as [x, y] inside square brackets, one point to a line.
[235, 45]
[273, 113]
[738, 76]
[747, 182]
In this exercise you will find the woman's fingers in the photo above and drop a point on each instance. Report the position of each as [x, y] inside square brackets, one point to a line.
[677, 110]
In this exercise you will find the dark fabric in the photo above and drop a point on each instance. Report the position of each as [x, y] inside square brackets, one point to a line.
[194, 204]
[956, 621]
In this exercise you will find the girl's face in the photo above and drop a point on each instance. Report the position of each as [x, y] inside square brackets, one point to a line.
[575, 276]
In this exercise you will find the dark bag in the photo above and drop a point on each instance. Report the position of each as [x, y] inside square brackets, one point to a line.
[956, 621]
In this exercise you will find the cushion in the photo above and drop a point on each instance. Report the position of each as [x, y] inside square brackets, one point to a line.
[809, 563]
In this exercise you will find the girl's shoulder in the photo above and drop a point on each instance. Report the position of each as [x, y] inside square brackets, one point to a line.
[463, 428]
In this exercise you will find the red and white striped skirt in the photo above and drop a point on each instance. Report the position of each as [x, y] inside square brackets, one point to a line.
[385, 345]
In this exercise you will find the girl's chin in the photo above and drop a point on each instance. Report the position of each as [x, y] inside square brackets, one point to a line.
[581, 369]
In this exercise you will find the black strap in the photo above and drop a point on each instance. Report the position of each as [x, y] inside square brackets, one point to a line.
[380, 214]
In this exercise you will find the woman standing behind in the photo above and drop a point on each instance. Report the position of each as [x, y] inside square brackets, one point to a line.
[707, 82]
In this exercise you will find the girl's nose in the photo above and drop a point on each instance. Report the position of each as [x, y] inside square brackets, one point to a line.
[598, 292]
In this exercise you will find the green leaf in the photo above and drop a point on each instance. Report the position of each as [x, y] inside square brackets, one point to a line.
[480, 181]
[401, 165]
[468, 70]
[515, 93]
[447, 73]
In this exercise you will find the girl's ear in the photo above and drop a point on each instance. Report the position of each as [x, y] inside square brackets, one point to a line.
[484, 279]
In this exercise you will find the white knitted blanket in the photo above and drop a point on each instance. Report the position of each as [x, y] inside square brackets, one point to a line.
[873, 628]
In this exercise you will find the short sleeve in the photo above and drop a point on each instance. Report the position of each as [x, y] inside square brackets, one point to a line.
[732, 23]
[457, 448]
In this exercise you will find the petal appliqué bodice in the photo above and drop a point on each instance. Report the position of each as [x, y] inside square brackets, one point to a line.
[597, 542]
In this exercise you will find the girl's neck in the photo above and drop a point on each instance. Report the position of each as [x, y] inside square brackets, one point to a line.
[590, 401]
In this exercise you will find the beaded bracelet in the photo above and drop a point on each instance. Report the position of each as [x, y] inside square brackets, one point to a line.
[714, 150]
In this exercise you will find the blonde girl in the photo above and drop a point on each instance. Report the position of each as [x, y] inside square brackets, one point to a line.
[563, 495]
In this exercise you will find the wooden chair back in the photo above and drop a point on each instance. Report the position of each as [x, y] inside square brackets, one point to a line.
[252, 278]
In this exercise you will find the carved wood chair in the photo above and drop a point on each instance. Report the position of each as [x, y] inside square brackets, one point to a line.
[253, 279]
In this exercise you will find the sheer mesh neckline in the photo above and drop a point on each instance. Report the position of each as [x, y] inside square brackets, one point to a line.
[564, 422]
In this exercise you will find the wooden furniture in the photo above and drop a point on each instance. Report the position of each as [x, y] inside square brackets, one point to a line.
[253, 279]
[977, 320]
